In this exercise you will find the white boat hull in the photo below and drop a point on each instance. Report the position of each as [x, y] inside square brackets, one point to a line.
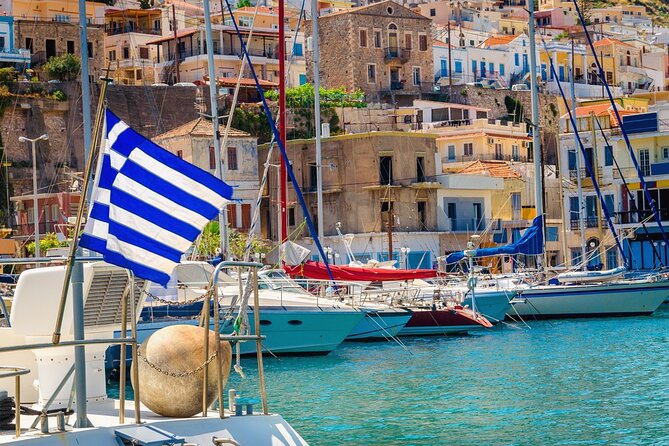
[602, 300]
[295, 332]
[494, 305]
[379, 325]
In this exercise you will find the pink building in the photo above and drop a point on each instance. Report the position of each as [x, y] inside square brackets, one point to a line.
[54, 210]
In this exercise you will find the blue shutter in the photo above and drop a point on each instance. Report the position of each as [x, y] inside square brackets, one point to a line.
[516, 59]
[303, 79]
[297, 50]
[572, 159]
[501, 69]
[458, 66]
[608, 156]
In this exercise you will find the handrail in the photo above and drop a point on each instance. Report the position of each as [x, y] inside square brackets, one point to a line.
[16, 372]
[113, 341]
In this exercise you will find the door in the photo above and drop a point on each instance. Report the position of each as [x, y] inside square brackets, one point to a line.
[482, 69]
[50, 48]
[525, 65]
[478, 216]
[561, 67]
[444, 67]
[543, 71]
[644, 161]
[393, 46]
[395, 79]
[450, 213]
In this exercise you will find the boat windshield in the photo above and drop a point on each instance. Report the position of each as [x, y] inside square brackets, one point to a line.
[278, 280]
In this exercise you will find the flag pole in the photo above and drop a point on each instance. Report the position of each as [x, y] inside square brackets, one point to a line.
[80, 211]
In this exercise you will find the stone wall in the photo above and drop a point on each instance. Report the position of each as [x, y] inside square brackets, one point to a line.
[344, 62]
[149, 110]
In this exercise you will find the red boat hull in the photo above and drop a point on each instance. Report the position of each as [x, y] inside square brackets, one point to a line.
[443, 321]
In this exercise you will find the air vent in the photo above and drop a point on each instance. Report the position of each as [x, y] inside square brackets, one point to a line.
[103, 303]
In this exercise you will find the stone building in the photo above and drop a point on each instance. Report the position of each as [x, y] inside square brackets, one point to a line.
[383, 48]
[194, 143]
[369, 180]
[48, 39]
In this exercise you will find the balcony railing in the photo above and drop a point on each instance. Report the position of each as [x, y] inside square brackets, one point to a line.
[116, 30]
[396, 53]
[635, 217]
[472, 224]
[588, 222]
[486, 157]
[29, 228]
[270, 53]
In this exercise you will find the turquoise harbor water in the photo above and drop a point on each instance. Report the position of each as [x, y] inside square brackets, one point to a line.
[571, 382]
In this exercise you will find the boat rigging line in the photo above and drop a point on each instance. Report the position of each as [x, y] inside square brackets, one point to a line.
[602, 76]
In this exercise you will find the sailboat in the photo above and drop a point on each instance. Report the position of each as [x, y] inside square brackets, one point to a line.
[97, 298]
[586, 295]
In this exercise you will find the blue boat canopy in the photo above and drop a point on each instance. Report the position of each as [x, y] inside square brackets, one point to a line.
[530, 243]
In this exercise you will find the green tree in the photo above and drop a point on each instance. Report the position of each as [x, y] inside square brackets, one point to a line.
[146, 4]
[210, 241]
[7, 75]
[63, 68]
[46, 241]
[243, 3]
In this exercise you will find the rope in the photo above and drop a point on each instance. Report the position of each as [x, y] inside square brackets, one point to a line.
[602, 76]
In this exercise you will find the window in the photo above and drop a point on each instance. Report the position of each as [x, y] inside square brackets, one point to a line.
[232, 158]
[575, 256]
[291, 216]
[514, 152]
[156, 25]
[608, 156]
[422, 42]
[89, 46]
[422, 218]
[416, 75]
[313, 176]
[458, 66]
[515, 205]
[420, 169]
[451, 153]
[474, 65]
[112, 55]
[138, 74]
[491, 67]
[143, 52]
[55, 212]
[126, 52]
[298, 50]
[363, 38]
[516, 59]
[371, 73]
[501, 69]
[386, 170]
[212, 158]
[377, 38]
[665, 153]
[29, 44]
[611, 257]
[433, 12]
[47, 214]
[70, 47]
[468, 149]
[498, 151]
[552, 234]
[303, 78]
[408, 44]
[644, 161]
[180, 154]
[31, 215]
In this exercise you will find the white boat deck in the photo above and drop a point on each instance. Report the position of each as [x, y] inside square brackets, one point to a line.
[245, 430]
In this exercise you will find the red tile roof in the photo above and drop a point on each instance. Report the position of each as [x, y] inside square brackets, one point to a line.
[496, 169]
[498, 40]
[610, 41]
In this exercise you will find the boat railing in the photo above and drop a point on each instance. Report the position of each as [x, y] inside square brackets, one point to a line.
[209, 301]
[8, 371]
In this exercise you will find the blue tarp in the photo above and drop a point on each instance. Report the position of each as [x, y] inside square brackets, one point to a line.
[530, 243]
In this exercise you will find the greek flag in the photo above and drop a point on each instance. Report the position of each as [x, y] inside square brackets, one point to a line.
[149, 206]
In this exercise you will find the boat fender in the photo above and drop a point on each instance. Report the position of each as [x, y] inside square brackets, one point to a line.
[471, 282]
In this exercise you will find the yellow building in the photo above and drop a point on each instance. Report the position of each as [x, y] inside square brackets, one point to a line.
[484, 140]
[56, 10]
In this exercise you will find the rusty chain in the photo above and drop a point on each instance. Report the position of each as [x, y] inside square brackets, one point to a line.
[173, 374]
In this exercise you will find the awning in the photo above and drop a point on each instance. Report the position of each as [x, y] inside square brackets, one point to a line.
[530, 243]
[317, 270]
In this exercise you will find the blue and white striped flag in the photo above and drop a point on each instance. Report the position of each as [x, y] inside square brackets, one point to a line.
[149, 206]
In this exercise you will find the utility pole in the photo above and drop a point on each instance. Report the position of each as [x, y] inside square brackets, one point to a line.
[390, 230]
[176, 45]
[317, 119]
[450, 71]
[595, 170]
[283, 170]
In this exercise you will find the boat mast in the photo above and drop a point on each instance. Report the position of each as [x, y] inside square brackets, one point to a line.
[581, 225]
[283, 172]
[213, 93]
[536, 139]
[317, 118]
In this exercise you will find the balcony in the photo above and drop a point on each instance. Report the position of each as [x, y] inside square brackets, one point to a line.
[472, 224]
[636, 217]
[394, 54]
[588, 222]
[20, 56]
[28, 230]
[116, 30]
[269, 52]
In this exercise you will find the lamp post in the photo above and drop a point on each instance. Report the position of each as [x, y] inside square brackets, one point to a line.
[33, 143]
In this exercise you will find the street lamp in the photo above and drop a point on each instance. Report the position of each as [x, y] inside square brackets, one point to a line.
[33, 143]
